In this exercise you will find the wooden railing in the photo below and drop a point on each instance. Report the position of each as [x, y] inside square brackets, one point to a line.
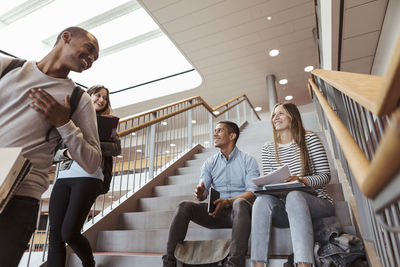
[194, 102]
[370, 176]
[380, 95]
[364, 117]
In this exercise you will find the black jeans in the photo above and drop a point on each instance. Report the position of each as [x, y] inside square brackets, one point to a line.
[238, 218]
[17, 224]
[70, 202]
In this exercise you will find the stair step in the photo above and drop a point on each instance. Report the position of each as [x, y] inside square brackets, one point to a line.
[188, 170]
[195, 163]
[161, 203]
[155, 240]
[148, 220]
[342, 212]
[174, 190]
[113, 259]
[183, 179]
[334, 190]
[162, 219]
[334, 177]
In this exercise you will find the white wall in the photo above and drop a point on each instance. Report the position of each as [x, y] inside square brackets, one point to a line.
[389, 36]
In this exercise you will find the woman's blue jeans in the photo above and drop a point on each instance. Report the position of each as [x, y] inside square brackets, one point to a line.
[300, 209]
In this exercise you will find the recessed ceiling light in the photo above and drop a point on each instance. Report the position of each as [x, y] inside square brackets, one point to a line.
[308, 68]
[258, 108]
[193, 121]
[120, 156]
[274, 52]
[133, 134]
[283, 81]
[167, 151]
[172, 145]
[216, 112]
[288, 97]
[269, 18]
[164, 123]
[138, 150]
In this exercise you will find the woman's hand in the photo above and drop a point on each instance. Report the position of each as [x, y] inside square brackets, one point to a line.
[296, 178]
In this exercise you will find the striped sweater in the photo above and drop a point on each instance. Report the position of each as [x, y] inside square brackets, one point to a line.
[289, 154]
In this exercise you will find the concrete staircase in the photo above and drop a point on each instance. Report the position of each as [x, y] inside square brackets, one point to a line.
[141, 236]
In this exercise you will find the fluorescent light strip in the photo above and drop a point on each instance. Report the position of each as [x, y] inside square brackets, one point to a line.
[131, 42]
[101, 19]
[22, 10]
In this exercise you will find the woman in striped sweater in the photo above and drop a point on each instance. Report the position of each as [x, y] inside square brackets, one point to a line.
[305, 155]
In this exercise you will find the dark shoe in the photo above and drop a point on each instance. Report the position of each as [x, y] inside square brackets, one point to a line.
[89, 264]
[168, 261]
[290, 261]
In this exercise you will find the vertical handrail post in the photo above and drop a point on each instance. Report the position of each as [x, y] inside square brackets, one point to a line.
[238, 114]
[244, 111]
[211, 126]
[151, 148]
[190, 129]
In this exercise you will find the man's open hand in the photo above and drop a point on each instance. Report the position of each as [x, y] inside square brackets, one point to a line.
[55, 113]
[199, 191]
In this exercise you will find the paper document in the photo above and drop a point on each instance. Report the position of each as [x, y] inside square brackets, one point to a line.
[274, 177]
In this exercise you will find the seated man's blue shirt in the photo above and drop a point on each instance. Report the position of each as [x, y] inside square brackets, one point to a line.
[230, 177]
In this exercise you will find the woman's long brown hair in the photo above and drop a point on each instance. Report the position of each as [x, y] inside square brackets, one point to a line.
[298, 134]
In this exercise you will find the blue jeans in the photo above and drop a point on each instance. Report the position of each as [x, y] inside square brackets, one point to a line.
[300, 209]
[17, 224]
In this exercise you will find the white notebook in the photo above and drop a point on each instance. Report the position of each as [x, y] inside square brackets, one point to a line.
[13, 169]
[275, 177]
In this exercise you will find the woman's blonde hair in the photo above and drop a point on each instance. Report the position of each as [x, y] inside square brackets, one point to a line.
[96, 88]
[298, 134]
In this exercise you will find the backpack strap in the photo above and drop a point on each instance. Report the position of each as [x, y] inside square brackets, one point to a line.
[75, 98]
[15, 63]
[73, 102]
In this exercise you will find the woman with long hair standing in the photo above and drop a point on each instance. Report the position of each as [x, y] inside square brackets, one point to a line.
[305, 156]
[74, 193]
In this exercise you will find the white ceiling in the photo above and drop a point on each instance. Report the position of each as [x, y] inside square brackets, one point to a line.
[227, 41]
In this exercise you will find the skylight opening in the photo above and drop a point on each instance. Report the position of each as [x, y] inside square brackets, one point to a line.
[137, 50]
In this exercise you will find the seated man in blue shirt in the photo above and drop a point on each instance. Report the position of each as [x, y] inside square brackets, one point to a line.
[229, 172]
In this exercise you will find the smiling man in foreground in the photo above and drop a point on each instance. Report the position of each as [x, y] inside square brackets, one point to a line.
[34, 115]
